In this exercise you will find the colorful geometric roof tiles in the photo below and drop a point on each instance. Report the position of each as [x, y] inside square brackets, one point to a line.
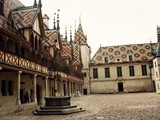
[66, 51]
[52, 36]
[139, 52]
[79, 37]
[11, 4]
[24, 18]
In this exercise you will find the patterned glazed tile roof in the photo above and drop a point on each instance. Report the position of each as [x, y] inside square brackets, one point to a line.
[66, 51]
[72, 52]
[79, 37]
[139, 52]
[76, 55]
[51, 36]
[5, 21]
[25, 18]
[10, 5]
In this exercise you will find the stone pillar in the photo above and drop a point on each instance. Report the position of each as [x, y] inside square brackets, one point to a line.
[35, 88]
[46, 86]
[61, 88]
[18, 88]
[69, 87]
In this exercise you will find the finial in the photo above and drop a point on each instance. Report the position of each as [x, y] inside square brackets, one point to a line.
[75, 25]
[58, 28]
[54, 22]
[40, 3]
[80, 18]
[35, 3]
[70, 34]
[86, 36]
[66, 33]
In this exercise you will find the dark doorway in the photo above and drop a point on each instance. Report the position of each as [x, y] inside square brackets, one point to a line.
[85, 91]
[22, 93]
[38, 94]
[120, 87]
[154, 86]
[64, 89]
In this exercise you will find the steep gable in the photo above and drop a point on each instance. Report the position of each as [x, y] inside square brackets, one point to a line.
[79, 37]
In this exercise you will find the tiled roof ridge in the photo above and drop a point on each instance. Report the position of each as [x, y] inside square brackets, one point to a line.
[126, 45]
[21, 8]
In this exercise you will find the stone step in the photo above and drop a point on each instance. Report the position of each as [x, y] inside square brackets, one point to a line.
[57, 111]
[58, 107]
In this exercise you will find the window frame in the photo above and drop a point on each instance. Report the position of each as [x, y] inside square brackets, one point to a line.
[106, 59]
[107, 72]
[119, 71]
[95, 73]
[144, 70]
[131, 71]
[130, 57]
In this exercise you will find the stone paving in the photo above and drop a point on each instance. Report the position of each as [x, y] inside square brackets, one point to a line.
[130, 106]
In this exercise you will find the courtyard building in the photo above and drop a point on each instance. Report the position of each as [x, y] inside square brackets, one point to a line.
[123, 68]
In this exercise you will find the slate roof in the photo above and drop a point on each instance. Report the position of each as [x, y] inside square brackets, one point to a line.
[140, 52]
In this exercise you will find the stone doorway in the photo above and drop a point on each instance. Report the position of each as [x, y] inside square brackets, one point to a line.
[120, 87]
[85, 91]
[22, 94]
[64, 89]
[38, 94]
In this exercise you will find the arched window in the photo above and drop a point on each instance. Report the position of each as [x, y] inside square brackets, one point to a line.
[12, 46]
[32, 55]
[24, 52]
[45, 61]
[1, 7]
[36, 43]
[38, 58]
[1, 42]
[40, 44]
[32, 41]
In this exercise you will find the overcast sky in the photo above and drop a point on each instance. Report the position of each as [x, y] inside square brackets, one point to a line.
[107, 22]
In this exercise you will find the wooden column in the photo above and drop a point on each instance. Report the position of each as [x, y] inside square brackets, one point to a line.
[18, 88]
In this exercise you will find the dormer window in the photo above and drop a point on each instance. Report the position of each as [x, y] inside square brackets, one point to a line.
[105, 59]
[130, 57]
[1, 7]
[118, 60]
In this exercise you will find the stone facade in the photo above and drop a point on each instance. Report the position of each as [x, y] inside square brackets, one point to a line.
[124, 68]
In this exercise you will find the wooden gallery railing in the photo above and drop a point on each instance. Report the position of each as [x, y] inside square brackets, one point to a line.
[12, 59]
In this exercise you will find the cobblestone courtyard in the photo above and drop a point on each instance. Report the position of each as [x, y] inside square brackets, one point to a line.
[135, 106]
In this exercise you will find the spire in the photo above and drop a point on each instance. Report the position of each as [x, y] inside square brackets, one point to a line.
[75, 26]
[40, 3]
[158, 33]
[66, 33]
[71, 35]
[58, 28]
[54, 22]
[80, 18]
[35, 3]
